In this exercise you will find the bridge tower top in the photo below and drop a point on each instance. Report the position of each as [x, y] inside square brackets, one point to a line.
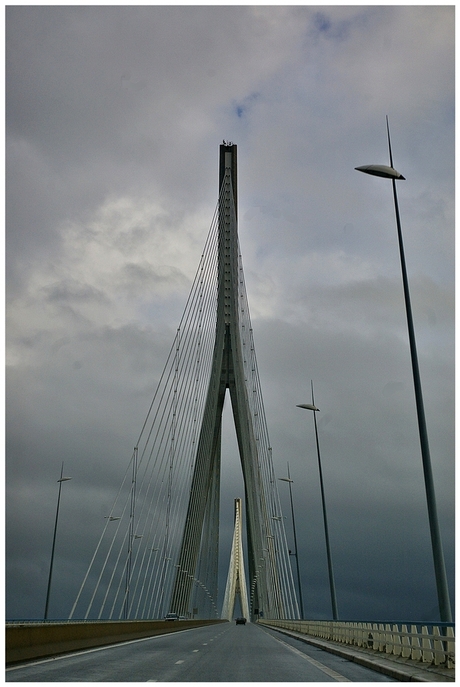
[228, 159]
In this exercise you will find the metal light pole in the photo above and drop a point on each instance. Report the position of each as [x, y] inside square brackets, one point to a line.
[61, 480]
[296, 554]
[311, 406]
[438, 555]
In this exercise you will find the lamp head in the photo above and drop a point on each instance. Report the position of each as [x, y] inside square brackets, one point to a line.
[381, 171]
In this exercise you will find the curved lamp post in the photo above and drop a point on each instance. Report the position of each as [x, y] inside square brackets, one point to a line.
[60, 480]
[311, 406]
[438, 555]
[296, 553]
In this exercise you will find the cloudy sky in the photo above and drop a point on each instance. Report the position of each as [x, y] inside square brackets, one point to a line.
[114, 120]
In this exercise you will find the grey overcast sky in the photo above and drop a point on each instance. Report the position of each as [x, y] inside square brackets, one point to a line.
[114, 119]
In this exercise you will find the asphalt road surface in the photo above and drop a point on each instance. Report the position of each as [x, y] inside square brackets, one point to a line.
[216, 653]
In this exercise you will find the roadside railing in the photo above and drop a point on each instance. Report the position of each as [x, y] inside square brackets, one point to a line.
[428, 643]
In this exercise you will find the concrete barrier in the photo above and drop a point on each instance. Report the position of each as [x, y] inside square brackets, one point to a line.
[26, 641]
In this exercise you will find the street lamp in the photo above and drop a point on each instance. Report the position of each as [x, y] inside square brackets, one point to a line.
[311, 406]
[60, 480]
[438, 555]
[291, 482]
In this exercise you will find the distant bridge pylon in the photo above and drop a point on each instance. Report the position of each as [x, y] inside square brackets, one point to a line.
[158, 551]
[236, 580]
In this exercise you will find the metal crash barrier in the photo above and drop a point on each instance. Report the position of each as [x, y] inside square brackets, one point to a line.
[430, 644]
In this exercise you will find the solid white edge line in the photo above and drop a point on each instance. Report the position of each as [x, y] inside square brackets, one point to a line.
[328, 671]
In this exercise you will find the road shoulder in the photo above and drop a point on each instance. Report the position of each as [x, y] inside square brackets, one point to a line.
[400, 669]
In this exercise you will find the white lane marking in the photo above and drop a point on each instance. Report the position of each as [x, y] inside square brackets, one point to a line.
[205, 644]
[91, 651]
[332, 673]
[177, 663]
[195, 651]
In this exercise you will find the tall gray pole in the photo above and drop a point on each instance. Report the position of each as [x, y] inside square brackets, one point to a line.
[335, 613]
[61, 480]
[438, 555]
[296, 554]
[308, 406]
[436, 543]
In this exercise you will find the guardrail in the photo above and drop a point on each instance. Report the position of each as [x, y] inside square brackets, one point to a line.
[427, 643]
[29, 640]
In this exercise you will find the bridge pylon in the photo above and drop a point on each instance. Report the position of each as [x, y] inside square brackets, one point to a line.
[228, 373]
[236, 579]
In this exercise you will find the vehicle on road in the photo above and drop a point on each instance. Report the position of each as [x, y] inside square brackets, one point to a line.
[241, 621]
[171, 616]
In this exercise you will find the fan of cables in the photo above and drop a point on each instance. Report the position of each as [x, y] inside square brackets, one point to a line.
[132, 570]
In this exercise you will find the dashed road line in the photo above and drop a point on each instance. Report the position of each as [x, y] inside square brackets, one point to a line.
[106, 647]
